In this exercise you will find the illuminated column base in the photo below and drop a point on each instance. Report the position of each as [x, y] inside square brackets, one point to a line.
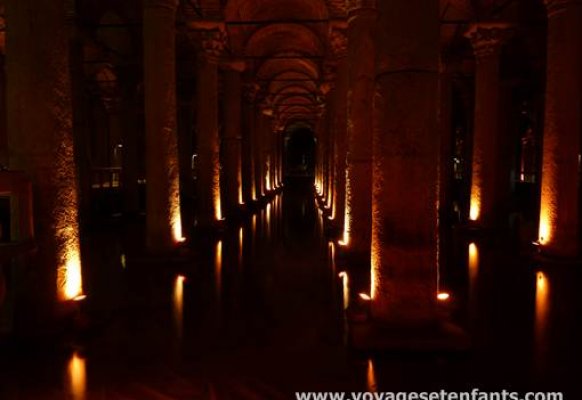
[405, 157]
[559, 231]
[209, 205]
[40, 134]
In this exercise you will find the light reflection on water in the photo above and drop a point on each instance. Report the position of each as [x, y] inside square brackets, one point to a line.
[542, 311]
[178, 304]
[77, 377]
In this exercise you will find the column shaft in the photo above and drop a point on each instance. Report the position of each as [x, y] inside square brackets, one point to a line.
[164, 225]
[489, 180]
[209, 206]
[361, 59]
[405, 156]
[560, 202]
[40, 133]
[248, 167]
[340, 133]
[232, 142]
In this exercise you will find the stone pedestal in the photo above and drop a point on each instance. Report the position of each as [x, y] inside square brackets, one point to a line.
[559, 231]
[164, 225]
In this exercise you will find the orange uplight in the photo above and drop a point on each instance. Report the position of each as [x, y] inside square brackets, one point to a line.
[545, 233]
[443, 296]
[77, 377]
[475, 210]
[70, 275]
[177, 227]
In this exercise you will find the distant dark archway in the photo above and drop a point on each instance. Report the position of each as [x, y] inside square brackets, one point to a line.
[300, 152]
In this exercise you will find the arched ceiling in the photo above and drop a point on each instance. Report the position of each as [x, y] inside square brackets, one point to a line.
[285, 43]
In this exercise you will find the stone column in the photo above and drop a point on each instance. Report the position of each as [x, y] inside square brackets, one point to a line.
[405, 157]
[361, 58]
[267, 148]
[248, 165]
[232, 140]
[258, 156]
[40, 120]
[340, 126]
[559, 231]
[209, 205]
[489, 183]
[130, 172]
[3, 129]
[164, 225]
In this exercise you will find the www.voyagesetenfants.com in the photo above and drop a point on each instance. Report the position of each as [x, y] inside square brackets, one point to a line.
[475, 394]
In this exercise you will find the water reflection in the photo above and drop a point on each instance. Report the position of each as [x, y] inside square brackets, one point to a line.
[218, 270]
[77, 377]
[178, 305]
[371, 384]
[542, 309]
[346, 289]
[240, 246]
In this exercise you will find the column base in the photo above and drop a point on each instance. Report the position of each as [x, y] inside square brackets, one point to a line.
[435, 337]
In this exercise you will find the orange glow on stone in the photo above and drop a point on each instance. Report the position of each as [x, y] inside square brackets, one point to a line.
[546, 218]
[475, 210]
[177, 226]
[70, 275]
[345, 241]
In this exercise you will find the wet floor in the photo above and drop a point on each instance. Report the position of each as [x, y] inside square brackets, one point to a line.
[258, 313]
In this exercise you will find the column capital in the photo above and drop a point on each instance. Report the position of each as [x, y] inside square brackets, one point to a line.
[212, 37]
[339, 42]
[488, 37]
[554, 7]
[251, 92]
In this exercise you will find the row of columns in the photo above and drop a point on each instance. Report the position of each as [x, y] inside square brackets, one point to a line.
[396, 150]
[41, 141]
